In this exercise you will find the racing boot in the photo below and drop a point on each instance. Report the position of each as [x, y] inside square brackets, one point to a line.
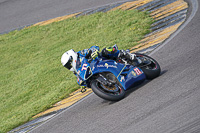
[129, 56]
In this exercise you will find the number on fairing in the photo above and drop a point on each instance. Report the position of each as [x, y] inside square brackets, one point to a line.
[84, 67]
[137, 71]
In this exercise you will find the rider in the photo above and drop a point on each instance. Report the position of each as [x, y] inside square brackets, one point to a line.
[71, 59]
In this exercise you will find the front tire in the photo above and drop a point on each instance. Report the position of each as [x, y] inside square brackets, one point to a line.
[107, 95]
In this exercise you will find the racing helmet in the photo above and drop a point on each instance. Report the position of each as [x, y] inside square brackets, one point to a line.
[69, 59]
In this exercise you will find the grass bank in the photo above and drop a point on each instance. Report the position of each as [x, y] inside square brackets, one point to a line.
[32, 77]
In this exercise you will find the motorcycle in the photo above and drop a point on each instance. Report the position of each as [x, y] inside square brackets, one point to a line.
[109, 79]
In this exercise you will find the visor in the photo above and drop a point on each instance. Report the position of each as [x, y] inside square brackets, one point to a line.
[68, 65]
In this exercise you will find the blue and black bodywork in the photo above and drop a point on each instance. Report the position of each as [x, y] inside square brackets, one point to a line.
[127, 75]
[109, 75]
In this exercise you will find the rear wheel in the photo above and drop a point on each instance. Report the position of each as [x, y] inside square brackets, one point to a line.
[111, 93]
[149, 66]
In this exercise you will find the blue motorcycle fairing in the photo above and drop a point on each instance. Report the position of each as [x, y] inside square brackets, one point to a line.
[128, 76]
[83, 72]
[134, 77]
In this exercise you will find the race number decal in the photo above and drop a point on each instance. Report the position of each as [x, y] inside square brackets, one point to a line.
[84, 67]
[138, 72]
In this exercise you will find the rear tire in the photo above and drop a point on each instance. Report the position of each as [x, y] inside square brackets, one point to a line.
[99, 91]
[152, 70]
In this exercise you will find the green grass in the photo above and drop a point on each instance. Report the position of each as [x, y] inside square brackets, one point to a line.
[32, 77]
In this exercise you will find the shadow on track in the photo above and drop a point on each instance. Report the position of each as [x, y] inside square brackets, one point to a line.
[129, 91]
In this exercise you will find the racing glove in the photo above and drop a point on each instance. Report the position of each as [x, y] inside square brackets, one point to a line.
[92, 55]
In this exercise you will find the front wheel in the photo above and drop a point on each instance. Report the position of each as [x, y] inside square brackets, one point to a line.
[149, 66]
[111, 93]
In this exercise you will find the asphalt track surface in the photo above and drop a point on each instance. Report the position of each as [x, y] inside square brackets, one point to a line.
[19, 13]
[169, 103]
